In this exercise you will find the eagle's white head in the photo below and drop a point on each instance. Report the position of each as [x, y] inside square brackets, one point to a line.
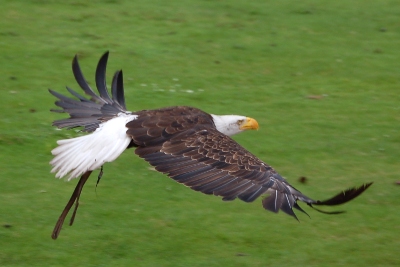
[233, 124]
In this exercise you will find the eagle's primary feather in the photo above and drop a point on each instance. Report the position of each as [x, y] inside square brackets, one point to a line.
[189, 145]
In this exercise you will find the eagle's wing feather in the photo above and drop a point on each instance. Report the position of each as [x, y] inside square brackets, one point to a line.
[101, 83]
[197, 155]
[117, 90]
[89, 113]
[80, 79]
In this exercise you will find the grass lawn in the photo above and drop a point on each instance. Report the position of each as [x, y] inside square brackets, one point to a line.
[321, 78]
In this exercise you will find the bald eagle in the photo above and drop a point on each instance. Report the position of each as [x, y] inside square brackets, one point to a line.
[189, 145]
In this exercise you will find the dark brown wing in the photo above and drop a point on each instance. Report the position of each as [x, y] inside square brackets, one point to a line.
[89, 113]
[191, 151]
[183, 143]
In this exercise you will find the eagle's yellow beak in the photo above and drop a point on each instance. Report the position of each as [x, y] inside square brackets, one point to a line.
[249, 124]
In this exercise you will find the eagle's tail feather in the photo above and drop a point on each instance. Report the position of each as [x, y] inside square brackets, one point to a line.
[77, 155]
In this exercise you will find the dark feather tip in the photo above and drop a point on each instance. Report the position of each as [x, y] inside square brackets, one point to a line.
[326, 212]
[344, 196]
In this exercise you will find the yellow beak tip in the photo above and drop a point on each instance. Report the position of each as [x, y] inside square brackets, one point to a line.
[250, 124]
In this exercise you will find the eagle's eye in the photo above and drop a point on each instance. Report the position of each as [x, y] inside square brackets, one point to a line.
[239, 122]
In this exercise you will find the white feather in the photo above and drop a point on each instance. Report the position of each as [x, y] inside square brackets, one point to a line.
[227, 124]
[78, 155]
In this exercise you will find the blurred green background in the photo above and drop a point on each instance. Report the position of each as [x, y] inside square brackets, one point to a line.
[321, 77]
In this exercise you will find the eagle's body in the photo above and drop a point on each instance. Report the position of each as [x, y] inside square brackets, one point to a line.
[189, 145]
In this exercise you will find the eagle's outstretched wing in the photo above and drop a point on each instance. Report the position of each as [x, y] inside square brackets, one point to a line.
[208, 161]
[89, 113]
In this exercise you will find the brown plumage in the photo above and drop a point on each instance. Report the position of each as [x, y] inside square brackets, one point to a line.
[189, 145]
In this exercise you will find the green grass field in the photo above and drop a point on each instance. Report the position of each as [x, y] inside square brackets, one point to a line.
[321, 77]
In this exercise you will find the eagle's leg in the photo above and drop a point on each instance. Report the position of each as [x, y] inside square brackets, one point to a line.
[74, 198]
[100, 175]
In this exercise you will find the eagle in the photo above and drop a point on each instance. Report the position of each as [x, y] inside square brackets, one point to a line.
[189, 145]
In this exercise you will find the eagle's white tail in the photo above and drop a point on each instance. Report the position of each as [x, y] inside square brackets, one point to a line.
[78, 155]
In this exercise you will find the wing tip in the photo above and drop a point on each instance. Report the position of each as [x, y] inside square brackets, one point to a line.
[345, 196]
[277, 201]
